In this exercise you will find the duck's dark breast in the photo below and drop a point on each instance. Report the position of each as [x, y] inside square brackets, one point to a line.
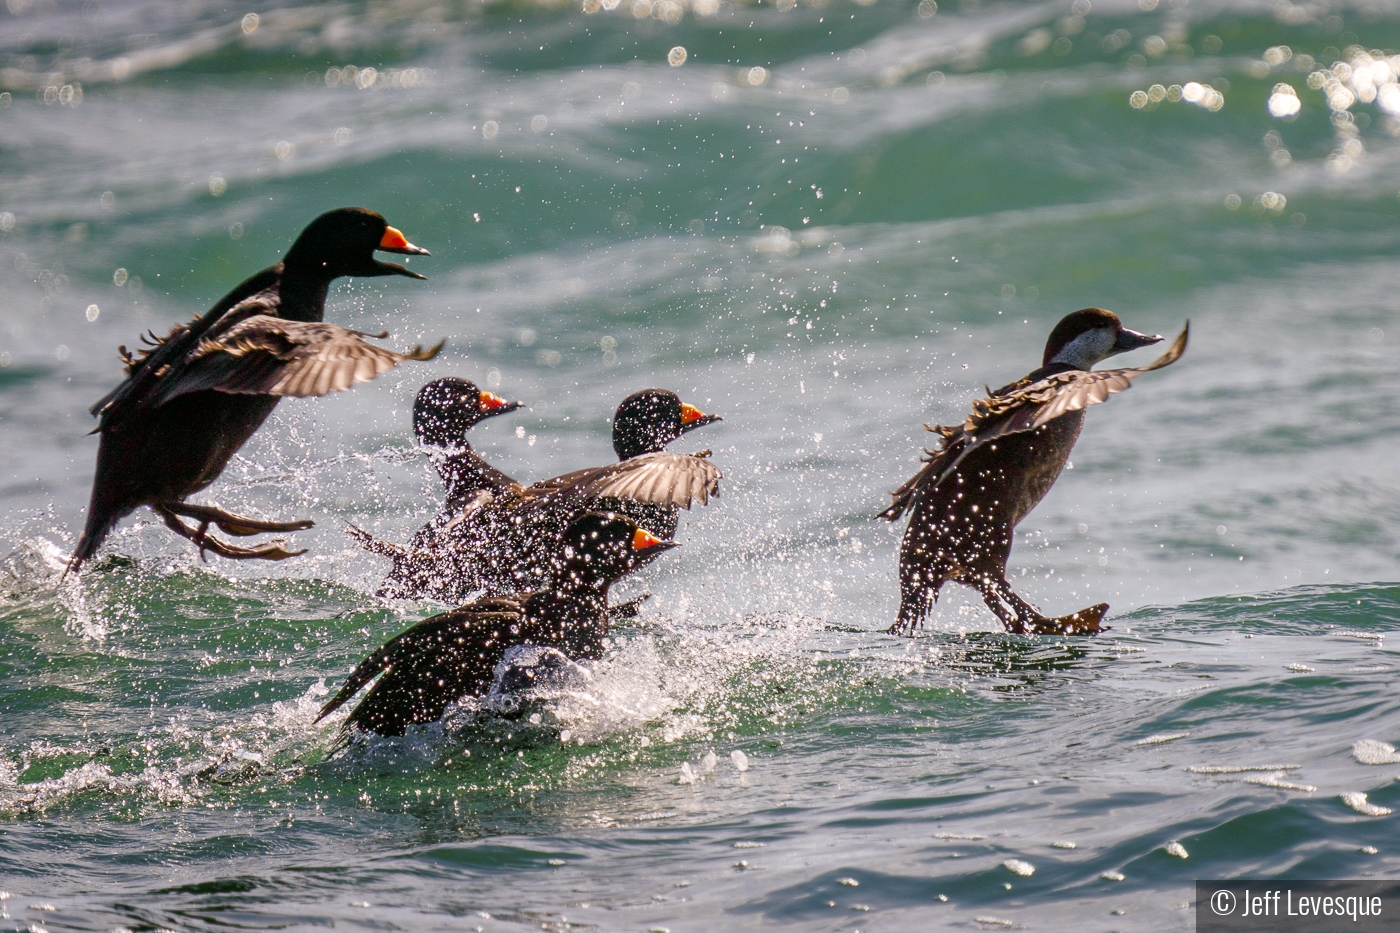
[1031, 462]
[966, 521]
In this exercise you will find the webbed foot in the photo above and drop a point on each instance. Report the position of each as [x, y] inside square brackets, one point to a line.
[1083, 622]
[272, 550]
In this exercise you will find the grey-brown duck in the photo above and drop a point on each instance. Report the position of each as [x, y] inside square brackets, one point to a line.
[992, 469]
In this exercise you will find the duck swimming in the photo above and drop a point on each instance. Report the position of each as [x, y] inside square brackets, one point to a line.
[991, 470]
[454, 655]
[509, 543]
[192, 399]
[444, 411]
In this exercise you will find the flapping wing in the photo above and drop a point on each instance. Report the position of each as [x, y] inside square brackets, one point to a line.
[150, 368]
[1042, 402]
[1023, 408]
[936, 463]
[265, 355]
[661, 478]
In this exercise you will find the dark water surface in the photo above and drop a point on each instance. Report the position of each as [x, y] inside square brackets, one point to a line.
[831, 223]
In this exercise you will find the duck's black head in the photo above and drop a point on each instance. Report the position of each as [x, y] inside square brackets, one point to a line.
[648, 420]
[600, 547]
[343, 241]
[447, 408]
[1090, 336]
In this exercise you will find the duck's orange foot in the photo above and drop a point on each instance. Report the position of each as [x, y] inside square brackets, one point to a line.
[1083, 622]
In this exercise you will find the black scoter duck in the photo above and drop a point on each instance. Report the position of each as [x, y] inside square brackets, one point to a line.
[192, 399]
[454, 655]
[991, 470]
[444, 411]
[508, 543]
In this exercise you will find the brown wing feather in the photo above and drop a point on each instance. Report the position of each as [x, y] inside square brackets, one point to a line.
[1024, 407]
[266, 355]
[661, 478]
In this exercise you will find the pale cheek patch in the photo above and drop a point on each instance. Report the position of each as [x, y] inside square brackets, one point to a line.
[1087, 349]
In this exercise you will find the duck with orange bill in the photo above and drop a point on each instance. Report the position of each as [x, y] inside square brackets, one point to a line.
[444, 411]
[992, 469]
[509, 542]
[455, 655]
[196, 395]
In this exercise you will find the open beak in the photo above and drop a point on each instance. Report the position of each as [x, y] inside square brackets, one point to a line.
[643, 540]
[692, 418]
[395, 242]
[1132, 340]
[493, 404]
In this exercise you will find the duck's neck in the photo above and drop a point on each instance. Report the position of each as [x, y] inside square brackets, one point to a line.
[573, 615]
[303, 294]
[464, 472]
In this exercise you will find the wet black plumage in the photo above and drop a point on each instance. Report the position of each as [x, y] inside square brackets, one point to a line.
[444, 411]
[454, 655]
[991, 470]
[508, 543]
[192, 399]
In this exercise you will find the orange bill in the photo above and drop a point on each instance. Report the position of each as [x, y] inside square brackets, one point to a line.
[643, 539]
[690, 414]
[395, 242]
[490, 401]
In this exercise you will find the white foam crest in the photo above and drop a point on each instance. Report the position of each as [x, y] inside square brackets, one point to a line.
[34, 564]
[684, 680]
[156, 785]
[184, 763]
[1374, 752]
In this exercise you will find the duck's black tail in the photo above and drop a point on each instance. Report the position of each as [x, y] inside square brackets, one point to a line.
[102, 517]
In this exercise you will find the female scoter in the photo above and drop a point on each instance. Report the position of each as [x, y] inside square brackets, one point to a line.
[192, 399]
[444, 411]
[454, 655]
[991, 470]
[509, 543]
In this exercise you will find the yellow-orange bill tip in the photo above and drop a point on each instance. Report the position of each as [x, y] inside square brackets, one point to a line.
[643, 539]
[690, 414]
[393, 239]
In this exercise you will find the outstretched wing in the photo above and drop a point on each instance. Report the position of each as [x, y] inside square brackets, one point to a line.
[265, 355]
[660, 478]
[1024, 408]
[147, 369]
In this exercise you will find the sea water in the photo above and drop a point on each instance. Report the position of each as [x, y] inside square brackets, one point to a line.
[829, 223]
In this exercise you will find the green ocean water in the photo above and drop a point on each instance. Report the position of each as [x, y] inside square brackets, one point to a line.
[830, 224]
